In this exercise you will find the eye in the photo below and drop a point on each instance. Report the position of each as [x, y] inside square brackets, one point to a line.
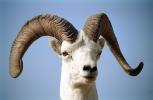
[99, 53]
[65, 53]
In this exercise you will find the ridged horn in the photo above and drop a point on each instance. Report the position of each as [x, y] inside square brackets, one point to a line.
[99, 24]
[42, 25]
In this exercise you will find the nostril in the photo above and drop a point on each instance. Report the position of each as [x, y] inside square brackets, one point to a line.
[94, 69]
[87, 68]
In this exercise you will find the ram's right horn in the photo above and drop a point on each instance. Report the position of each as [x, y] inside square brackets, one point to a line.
[42, 25]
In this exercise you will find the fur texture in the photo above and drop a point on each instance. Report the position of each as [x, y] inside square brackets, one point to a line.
[74, 82]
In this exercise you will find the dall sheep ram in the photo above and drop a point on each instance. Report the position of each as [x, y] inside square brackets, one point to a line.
[79, 50]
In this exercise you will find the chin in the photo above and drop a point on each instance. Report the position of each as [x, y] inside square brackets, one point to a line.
[89, 80]
[83, 81]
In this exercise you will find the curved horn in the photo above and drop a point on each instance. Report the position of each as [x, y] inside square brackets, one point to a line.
[42, 25]
[99, 24]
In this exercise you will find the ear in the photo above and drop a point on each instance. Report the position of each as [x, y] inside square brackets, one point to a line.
[56, 45]
[101, 42]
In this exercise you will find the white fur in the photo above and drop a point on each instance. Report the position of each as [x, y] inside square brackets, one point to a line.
[73, 85]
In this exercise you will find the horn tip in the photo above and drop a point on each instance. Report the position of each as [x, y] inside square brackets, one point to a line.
[16, 71]
[13, 75]
[137, 70]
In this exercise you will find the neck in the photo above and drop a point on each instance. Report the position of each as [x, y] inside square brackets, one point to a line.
[69, 91]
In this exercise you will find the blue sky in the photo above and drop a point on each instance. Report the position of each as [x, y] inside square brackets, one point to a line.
[40, 80]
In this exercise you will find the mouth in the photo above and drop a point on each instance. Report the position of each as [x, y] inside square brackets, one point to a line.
[90, 77]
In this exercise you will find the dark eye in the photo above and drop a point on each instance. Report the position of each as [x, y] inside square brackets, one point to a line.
[99, 53]
[65, 53]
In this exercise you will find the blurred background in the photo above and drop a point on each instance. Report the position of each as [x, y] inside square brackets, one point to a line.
[132, 21]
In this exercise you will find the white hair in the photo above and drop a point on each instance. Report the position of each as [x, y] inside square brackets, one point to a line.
[74, 84]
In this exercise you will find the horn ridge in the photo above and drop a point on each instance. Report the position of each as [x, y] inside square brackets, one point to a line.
[99, 24]
[42, 25]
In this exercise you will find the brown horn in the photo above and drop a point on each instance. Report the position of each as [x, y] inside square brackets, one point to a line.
[99, 24]
[42, 25]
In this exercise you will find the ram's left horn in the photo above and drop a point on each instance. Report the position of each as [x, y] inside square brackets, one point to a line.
[99, 24]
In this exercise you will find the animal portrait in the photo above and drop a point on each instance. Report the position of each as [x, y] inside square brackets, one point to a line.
[79, 51]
